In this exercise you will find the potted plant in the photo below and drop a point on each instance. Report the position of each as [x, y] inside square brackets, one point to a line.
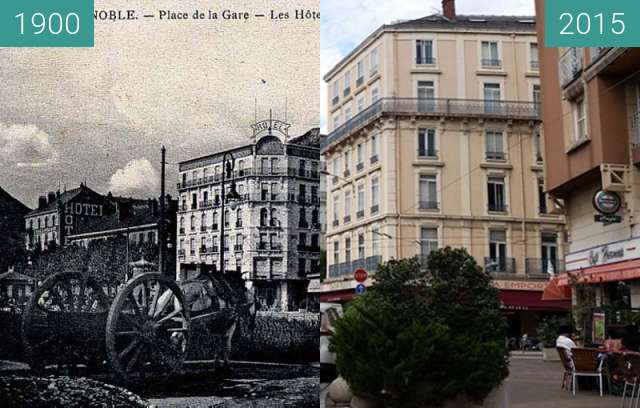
[425, 337]
[548, 333]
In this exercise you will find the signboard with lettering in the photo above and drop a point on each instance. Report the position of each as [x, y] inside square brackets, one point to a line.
[268, 127]
[537, 286]
[72, 211]
[603, 254]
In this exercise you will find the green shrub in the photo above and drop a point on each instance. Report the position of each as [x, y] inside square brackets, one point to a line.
[549, 329]
[420, 337]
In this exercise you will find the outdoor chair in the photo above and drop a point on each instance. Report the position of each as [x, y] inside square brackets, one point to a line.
[632, 367]
[567, 365]
[586, 363]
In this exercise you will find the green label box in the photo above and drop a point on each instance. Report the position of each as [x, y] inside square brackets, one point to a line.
[46, 23]
[592, 23]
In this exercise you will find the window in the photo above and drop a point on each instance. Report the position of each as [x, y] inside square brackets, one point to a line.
[193, 223]
[426, 94]
[194, 201]
[359, 72]
[336, 165]
[347, 82]
[347, 250]
[490, 57]
[335, 92]
[360, 201]
[375, 195]
[374, 61]
[496, 194]
[360, 153]
[263, 217]
[336, 252]
[497, 261]
[346, 163]
[428, 192]
[494, 145]
[538, 147]
[203, 222]
[273, 219]
[542, 198]
[238, 218]
[360, 246]
[424, 52]
[374, 146]
[374, 95]
[46, 222]
[549, 252]
[336, 209]
[428, 241]
[336, 121]
[492, 98]
[347, 114]
[227, 218]
[347, 206]
[53, 220]
[192, 246]
[203, 244]
[214, 221]
[536, 99]
[375, 242]
[361, 104]
[263, 241]
[580, 121]
[534, 62]
[427, 143]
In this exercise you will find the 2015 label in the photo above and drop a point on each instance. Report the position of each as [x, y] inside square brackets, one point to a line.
[582, 23]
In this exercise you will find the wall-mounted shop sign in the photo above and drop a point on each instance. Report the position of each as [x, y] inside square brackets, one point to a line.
[604, 254]
[537, 286]
[607, 202]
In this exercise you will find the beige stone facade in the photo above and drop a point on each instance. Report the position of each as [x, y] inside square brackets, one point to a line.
[434, 141]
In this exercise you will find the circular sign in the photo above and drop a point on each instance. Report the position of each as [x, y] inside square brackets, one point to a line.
[360, 288]
[607, 202]
[360, 275]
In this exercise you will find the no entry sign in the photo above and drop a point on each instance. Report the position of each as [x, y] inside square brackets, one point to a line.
[360, 275]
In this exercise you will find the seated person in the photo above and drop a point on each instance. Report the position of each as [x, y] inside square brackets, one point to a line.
[565, 339]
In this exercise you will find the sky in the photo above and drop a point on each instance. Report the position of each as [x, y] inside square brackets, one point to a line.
[345, 23]
[101, 114]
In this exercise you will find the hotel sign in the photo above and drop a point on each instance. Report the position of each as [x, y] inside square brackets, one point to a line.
[267, 127]
[537, 286]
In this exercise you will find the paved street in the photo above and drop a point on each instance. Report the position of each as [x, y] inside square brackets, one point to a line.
[534, 383]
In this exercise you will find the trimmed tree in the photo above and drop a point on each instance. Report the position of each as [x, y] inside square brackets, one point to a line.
[422, 336]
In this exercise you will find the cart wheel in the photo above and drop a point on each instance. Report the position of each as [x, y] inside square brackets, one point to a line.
[148, 329]
[62, 320]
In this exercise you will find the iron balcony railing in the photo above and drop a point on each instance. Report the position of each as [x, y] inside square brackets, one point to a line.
[428, 205]
[425, 61]
[429, 153]
[346, 269]
[434, 107]
[570, 65]
[495, 155]
[543, 266]
[497, 207]
[491, 63]
[500, 265]
[534, 64]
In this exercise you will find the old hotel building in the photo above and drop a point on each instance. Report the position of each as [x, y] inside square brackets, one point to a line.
[272, 233]
[591, 105]
[434, 141]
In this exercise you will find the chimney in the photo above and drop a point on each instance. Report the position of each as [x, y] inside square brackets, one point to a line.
[42, 202]
[51, 197]
[449, 9]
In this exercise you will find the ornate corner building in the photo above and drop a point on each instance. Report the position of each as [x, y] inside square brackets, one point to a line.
[271, 231]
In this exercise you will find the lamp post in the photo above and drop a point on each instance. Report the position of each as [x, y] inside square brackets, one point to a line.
[227, 168]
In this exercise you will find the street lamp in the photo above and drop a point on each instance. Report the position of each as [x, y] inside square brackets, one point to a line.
[232, 197]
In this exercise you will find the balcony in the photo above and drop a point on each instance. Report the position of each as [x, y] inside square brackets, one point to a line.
[359, 167]
[346, 269]
[335, 100]
[237, 247]
[214, 227]
[534, 65]
[491, 63]
[181, 253]
[359, 81]
[543, 267]
[375, 209]
[359, 214]
[238, 224]
[500, 265]
[308, 248]
[428, 153]
[181, 231]
[501, 156]
[347, 219]
[203, 249]
[203, 229]
[374, 159]
[346, 91]
[206, 204]
[570, 65]
[346, 173]
[435, 107]
[497, 208]
[425, 61]
[428, 205]
[335, 223]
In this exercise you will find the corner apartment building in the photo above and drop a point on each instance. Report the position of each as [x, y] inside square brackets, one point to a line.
[434, 141]
[272, 234]
[591, 105]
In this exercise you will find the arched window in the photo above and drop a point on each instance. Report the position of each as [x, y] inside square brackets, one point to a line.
[263, 217]
[274, 218]
[238, 218]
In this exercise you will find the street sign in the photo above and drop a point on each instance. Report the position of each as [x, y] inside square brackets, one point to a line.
[360, 275]
[360, 289]
[607, 219]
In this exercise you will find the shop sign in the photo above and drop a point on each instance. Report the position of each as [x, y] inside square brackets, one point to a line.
[607, 202]
[607, 219]
[537, 286]
[603, 254]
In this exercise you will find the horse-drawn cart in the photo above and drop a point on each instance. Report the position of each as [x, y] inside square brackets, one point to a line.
[144, 331]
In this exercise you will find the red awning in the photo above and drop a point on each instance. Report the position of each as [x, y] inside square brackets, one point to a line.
[337, 296]
[531, 300]
[553, 291]
[619, 271]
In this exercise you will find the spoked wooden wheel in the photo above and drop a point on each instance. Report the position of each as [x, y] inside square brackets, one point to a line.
[63, 322]
[148, 329]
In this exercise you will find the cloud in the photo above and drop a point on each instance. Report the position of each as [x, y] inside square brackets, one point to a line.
[26, 146]
[138, 177]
